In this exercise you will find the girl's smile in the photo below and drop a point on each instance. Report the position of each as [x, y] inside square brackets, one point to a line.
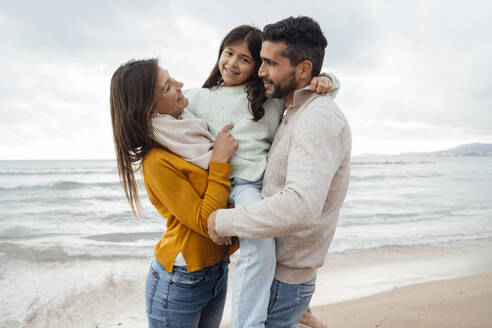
[236, 64]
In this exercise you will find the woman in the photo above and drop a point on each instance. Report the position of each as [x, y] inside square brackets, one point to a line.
[187, 281]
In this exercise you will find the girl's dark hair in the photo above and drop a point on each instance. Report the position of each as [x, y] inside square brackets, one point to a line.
[131, 101]
[254, 85]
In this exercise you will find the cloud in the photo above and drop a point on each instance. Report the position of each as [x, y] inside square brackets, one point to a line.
[414, 75]
[431, 68]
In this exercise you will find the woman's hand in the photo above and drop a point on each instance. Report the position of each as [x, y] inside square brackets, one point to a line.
[224, 146]
[321, 84]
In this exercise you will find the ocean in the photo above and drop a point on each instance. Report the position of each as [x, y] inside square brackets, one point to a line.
[71, 251]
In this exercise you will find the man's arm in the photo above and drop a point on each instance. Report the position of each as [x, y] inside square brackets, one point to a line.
[315, 155]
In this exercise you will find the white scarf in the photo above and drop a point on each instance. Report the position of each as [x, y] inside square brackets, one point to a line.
[186, 136]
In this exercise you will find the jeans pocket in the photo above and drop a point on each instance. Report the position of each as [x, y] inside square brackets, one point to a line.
[151, 286]
[188, 279]
[306, 290]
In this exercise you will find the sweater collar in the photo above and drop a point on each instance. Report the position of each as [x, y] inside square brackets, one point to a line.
[302, 95]
[231, 89]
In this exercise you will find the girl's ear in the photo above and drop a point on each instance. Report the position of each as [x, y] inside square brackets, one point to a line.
[304, 69]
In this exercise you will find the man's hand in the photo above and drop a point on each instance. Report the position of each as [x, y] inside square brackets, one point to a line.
[213, 233]
[321, 84]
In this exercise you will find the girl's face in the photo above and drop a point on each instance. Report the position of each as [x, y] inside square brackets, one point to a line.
[236, 64]
[168, 98]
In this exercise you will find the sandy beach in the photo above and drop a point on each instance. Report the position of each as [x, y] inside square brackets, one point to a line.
[422, 286]
[461, 302]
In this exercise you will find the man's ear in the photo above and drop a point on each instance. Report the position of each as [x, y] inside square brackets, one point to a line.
[304, 69]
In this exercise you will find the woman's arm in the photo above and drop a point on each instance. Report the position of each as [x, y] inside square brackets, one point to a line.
[168, 186]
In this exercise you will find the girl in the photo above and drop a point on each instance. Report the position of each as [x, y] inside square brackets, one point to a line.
[234, 93]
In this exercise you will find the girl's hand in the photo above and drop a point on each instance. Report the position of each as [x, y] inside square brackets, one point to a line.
[224, 146]
[321, 84]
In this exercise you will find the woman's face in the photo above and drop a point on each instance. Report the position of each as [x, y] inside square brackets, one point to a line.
[236, 64]
[168, 98]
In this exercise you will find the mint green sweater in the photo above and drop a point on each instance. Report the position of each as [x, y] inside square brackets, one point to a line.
[222, 105]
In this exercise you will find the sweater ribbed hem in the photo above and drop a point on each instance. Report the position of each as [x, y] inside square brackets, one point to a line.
[223, 226]
[294, 276]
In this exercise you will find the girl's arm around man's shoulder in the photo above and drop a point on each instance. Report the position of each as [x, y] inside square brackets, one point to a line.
[335, 83]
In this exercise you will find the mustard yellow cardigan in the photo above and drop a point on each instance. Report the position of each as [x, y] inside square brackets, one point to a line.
[186, 194]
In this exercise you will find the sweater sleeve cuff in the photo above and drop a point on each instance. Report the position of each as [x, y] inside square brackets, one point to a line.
[334, 81]
[223, 223]
[219, 169]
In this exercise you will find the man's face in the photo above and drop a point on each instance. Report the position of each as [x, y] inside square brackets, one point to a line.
[279, 76]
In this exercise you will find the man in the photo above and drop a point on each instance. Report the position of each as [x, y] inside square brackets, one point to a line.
[307, 175]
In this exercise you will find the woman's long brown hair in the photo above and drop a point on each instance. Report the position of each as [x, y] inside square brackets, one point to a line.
[254, 85]
[131, 102]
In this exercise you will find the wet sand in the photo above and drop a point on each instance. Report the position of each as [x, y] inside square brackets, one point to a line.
[461, 302]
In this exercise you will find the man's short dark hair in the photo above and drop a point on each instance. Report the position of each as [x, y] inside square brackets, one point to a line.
[304, 40]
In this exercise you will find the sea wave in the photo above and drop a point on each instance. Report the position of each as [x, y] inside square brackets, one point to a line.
[376, 177]
[122, 237]
[113, 247]
[390, 163]
[63, 185]
[63, 254]
[340, 246]
[45, 199]
[34, 172]
[62, 307]
[20, 233]
[386, 218]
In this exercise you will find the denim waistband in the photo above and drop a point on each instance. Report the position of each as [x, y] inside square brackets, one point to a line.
[216, 267]
[235, 181]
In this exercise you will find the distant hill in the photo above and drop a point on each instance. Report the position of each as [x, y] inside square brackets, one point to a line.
[474, 149]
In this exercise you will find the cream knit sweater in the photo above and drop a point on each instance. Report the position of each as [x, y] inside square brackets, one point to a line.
[304, 186]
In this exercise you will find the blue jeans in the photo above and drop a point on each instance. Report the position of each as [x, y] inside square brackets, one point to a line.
[186, 299]
[288, 303]
[255, 266]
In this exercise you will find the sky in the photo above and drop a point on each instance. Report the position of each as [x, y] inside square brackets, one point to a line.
[415, 75]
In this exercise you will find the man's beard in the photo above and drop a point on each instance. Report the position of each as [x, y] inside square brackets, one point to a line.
[282, 91]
